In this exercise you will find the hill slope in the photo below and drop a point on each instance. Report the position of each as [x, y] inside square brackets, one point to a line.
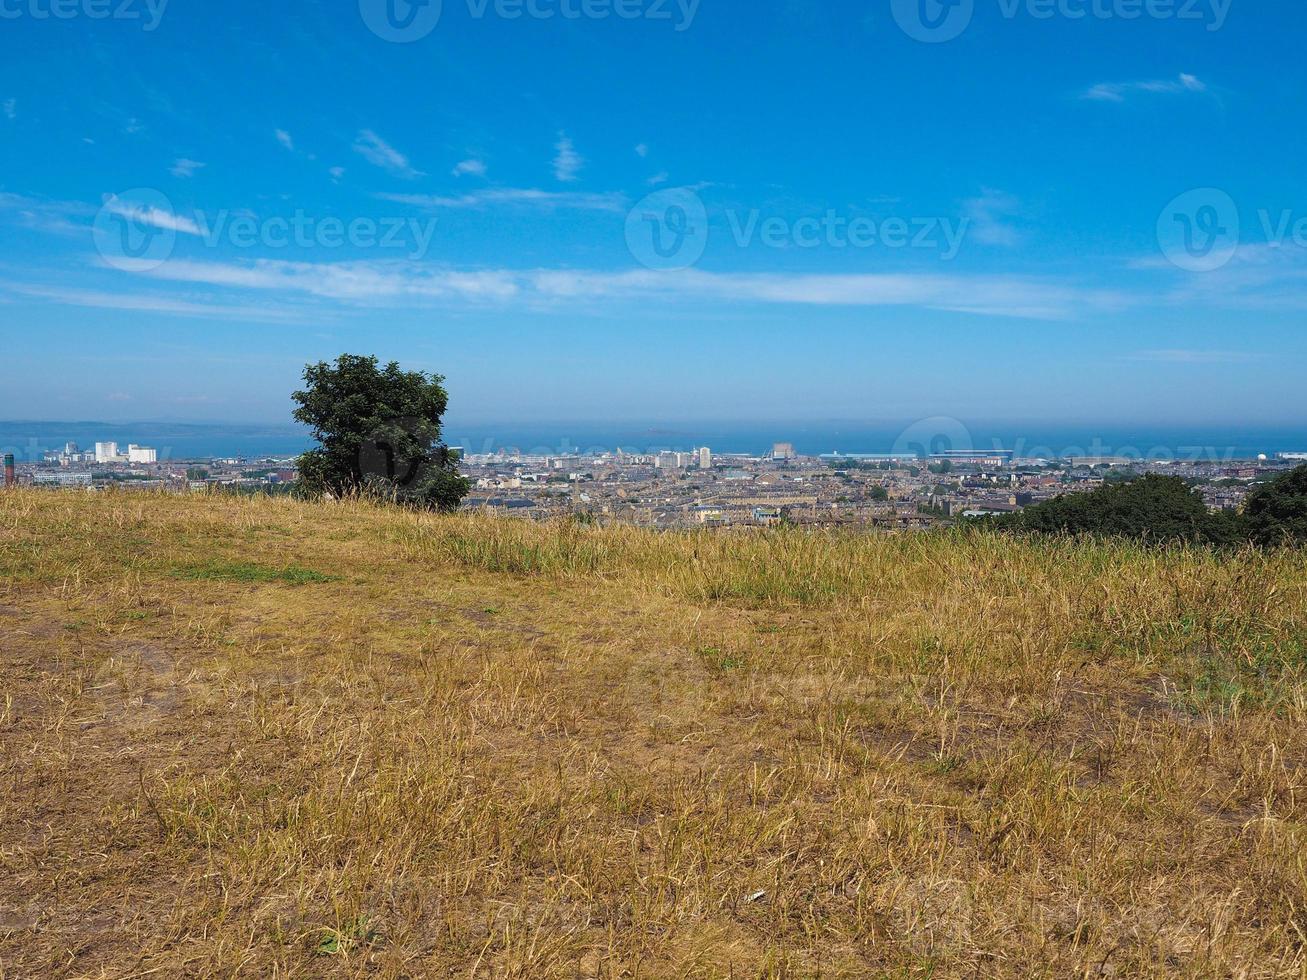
[259, 735]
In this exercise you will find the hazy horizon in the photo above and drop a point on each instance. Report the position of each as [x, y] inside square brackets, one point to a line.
[810, 437]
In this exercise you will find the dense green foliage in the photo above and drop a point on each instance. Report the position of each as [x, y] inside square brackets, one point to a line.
[1159, 507]
[1277, 513]
[379, 430]
[1166, 508]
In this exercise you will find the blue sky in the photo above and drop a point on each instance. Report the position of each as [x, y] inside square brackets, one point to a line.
[638, 209]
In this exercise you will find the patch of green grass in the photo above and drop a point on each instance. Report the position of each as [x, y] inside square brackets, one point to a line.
[715, 659]
[220, 571]
[1264, 677]
[333, 942]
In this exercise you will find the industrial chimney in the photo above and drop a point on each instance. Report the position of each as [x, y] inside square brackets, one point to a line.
[10, 477]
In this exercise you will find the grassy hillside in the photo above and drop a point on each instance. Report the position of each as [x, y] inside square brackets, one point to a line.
[265, 737]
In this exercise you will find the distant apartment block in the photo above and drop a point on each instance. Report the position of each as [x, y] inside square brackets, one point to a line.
[107, 452]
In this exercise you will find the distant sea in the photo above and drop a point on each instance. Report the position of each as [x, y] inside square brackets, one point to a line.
[28, 440]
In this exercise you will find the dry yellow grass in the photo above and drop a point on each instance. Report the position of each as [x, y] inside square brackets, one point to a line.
[266, 738]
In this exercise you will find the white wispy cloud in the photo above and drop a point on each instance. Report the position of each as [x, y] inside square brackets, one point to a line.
[336, 173]
[1118, 91]
[986, 295]
[284, 138]
[10, 107]
[1270, 276]
[475, 168]
[989, 218]
[567, 162]
[55, 217]
[145, 303]
[661, 177]
[349, 281]
[642, 150]
[185, 168]
[519, 196]
[155, 217]
[414, 283]
[378, 152]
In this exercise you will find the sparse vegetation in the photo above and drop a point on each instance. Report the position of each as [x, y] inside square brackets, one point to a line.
[259, 736]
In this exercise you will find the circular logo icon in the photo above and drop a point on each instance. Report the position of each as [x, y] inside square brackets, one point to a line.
[940, 434]
[1199, 230]
[393, 454]
[136, 230]
[933, 21]
[668, 229]
[401, 21]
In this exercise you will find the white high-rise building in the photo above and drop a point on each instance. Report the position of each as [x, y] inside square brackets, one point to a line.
[705, 458]
[672, 461]
[142, 454]
[106, 452]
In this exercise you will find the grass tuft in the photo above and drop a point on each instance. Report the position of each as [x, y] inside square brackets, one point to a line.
[219, 571]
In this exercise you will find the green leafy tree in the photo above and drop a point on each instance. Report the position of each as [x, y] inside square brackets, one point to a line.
[1277, 512]
[1155, 508]
[379, 433]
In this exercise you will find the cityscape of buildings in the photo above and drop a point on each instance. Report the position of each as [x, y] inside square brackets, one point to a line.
[699, 488]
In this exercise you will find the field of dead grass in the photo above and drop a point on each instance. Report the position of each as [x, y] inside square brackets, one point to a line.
[266, 738]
